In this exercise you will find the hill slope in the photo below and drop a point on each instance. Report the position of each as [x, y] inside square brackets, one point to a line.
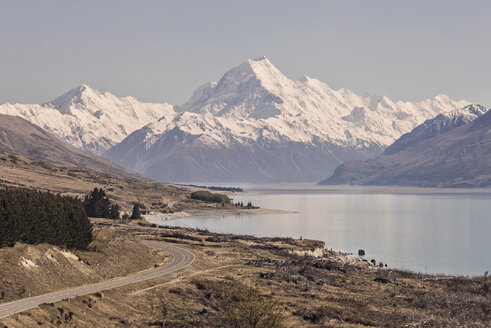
[451, 150]
[19, 136]
[257, 125]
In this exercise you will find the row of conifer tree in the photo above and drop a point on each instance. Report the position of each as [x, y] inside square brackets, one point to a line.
[34, 217]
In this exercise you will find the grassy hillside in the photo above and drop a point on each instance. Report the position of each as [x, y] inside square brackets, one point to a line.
[29, 270]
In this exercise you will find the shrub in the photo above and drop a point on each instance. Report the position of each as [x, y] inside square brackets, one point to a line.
[242, 306]
[207, 196]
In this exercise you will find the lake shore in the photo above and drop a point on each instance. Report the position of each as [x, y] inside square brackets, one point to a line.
[193, 213]
[347, 189]
[386, 226]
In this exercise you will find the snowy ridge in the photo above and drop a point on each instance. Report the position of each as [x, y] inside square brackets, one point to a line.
[255, 99]
[440, 124]
[88, 119]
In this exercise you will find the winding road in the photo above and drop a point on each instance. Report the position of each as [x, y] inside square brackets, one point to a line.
[181, 259]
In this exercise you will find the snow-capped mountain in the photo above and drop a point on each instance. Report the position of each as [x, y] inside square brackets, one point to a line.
[88, 119]
[261, 97]
[451, 150]
[257, 125]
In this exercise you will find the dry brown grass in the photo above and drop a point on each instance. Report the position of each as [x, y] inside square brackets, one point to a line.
[310, 292]
[29, 270]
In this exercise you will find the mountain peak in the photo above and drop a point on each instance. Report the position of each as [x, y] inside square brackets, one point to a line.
[260, 58]
[81, 89]
[257, 69]
[249, 89]
[76, 95]
[88, 119]
[305, 78]
[265, 70]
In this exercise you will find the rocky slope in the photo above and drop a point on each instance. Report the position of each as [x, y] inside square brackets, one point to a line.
[257, 125]
[19, 136]
[88, 119]
[451, 150]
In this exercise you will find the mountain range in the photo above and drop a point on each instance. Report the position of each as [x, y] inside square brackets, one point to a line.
[253, 125]
[88, 119]
[257, 125]
[451, 150]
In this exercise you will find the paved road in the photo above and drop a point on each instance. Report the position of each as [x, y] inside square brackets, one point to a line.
[181, 259]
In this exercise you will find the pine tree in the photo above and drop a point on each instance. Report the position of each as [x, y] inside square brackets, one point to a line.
[136, 214]
[114, 212]
[98, 205]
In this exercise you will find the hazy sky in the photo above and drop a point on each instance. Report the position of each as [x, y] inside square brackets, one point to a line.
[162, 50]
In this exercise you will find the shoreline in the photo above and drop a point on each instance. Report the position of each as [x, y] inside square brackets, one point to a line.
[195, 213]
[345, 257]
[237, 212]
[217, 214]
[161, 219]
[348, 189]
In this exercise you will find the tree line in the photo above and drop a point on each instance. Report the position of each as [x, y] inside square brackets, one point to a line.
[98, 205]
[34, 217]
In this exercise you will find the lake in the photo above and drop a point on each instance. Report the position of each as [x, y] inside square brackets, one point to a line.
[425, 232]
